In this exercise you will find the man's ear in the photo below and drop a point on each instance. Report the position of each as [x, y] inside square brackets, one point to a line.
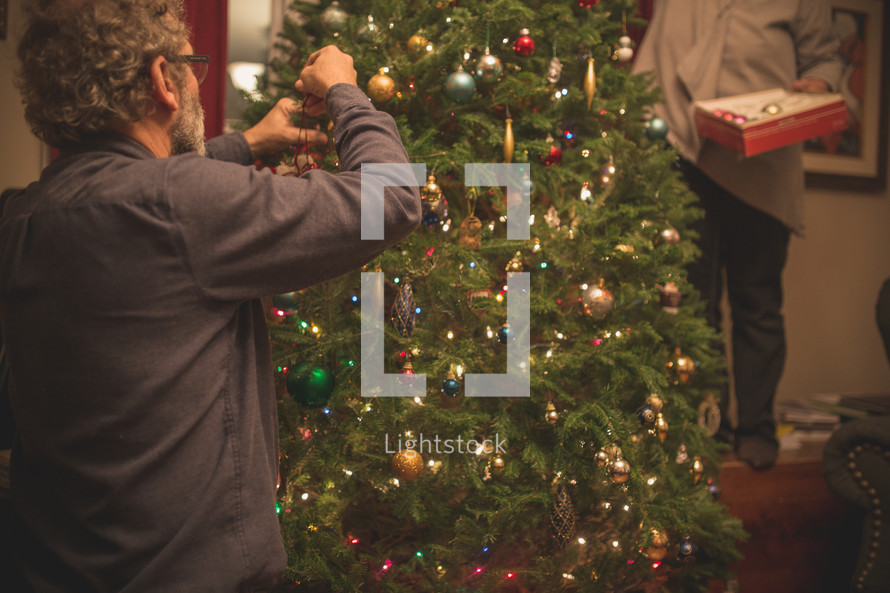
[164, 90]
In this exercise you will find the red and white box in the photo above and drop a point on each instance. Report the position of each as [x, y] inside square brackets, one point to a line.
[758, 122]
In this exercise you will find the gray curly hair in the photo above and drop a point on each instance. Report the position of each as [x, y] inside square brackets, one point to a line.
[83, 65]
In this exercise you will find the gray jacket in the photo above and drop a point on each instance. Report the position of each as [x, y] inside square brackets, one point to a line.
[142, 382]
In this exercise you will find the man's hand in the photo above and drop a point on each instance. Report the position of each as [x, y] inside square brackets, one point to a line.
[325, 68]
[276, 131]
[810, 85]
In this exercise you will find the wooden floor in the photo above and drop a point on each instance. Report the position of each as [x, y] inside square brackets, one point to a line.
[802, 537]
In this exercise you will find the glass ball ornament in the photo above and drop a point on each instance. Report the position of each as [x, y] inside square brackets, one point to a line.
[647, 416]
[620, 471]
[656, 128]
[334, 18]
[460, 86]
[418, 46]
[670, 236]
[658, 548]
[524, 45]
[407, 464]
[450, 387]
[682, 366]
[310, 386]
[654, 401]
[555, 155]
[602, 458]
[368, 33]
[505, 334]
[489, 68]
[687, 552]
[597, 301]
[381, 88]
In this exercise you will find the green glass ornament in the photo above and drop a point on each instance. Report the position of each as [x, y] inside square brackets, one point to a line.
[460, 86]
[310, 386]
[656, 129]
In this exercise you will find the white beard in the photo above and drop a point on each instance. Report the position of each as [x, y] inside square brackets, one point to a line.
[188, 129]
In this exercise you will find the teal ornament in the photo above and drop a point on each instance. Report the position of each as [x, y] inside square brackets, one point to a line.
[656, 129]
[403, 311]
[310, 386]
[450, 387]
[286, 302]
[505, 334]
[460, 86]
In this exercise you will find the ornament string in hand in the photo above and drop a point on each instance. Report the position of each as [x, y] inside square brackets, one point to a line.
[324, 68]
[301, 148]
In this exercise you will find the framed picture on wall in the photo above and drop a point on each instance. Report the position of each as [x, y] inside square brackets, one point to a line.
[856, 158]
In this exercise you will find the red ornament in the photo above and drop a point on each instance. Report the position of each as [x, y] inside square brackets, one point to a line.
[555, 156]
[588, 3]
[524, 45]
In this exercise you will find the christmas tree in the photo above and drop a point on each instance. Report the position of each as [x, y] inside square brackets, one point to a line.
[594, 470]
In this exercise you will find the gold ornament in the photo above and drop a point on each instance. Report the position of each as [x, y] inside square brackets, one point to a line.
[683, 366]
[697, 469]
[418, 45]
[661, 427]
[407, 464]
[515, 264]
[508, 139]
[551, 414]
[597, 300]
[602, 458]
[613, 451]
[655, 402]
[381, 88]
[470, 234]
[498, 463]
[658, 549]
[620, 471]
[589, 82]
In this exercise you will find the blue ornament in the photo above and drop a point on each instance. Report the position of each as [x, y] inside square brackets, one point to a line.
[646, 415]
[505, 334]
[687, 552]
[450, 387]
[460, 86]
[656, 129]
[404, 311]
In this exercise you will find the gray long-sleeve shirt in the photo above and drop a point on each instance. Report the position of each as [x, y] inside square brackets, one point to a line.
[141, 376]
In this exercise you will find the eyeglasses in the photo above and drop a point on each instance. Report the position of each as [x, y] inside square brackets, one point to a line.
[199, 64]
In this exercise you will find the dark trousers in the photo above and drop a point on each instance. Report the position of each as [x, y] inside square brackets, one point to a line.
[750, 248]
